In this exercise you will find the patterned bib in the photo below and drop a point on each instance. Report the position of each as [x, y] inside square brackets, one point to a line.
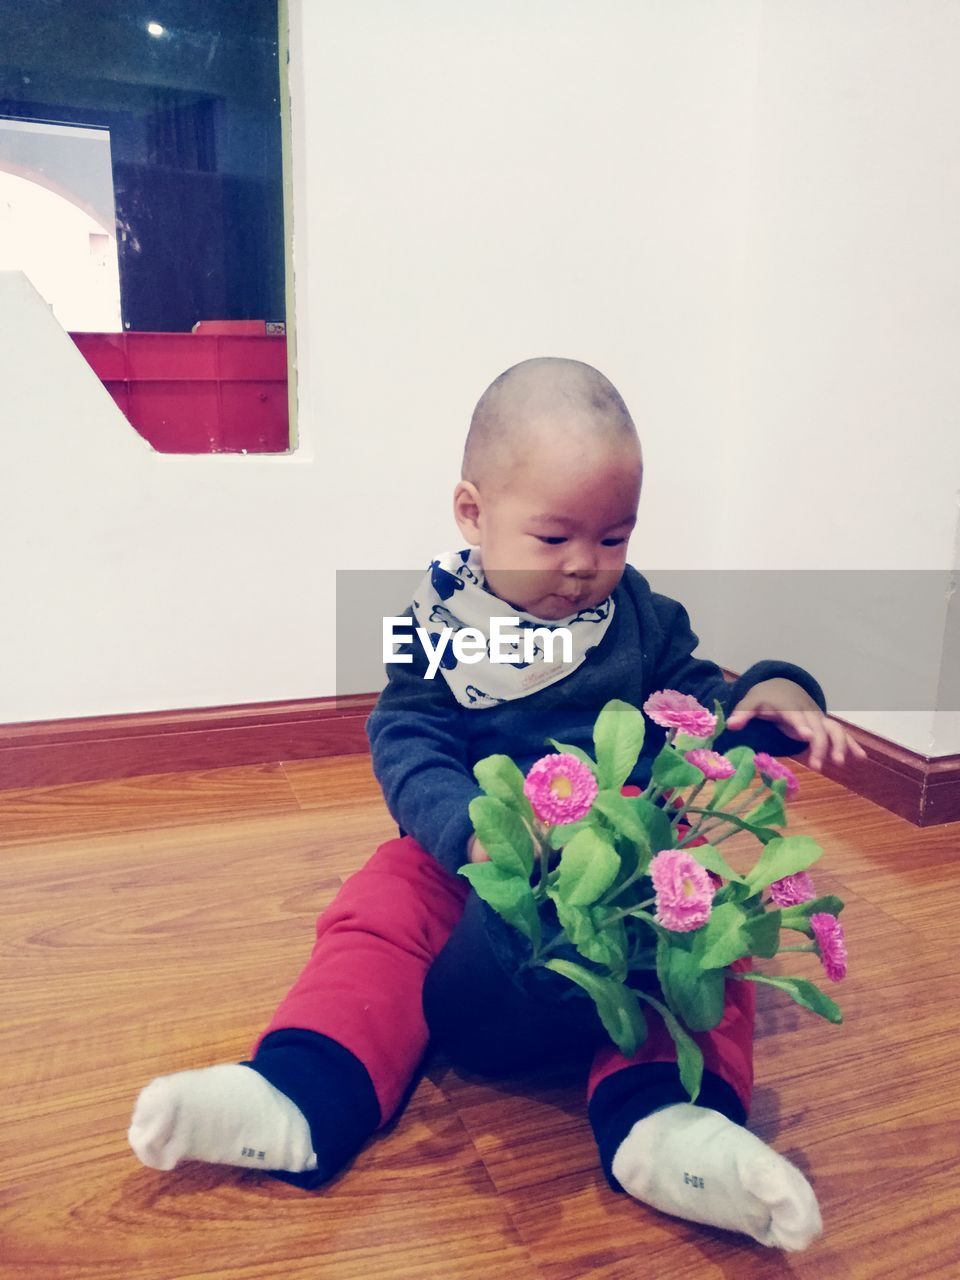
[453, 594]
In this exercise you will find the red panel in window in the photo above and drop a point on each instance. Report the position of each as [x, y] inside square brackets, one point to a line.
[197, 392]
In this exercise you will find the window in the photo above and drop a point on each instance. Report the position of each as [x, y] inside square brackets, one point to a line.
[149, 134]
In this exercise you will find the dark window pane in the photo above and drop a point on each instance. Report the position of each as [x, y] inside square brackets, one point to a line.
[190, 96]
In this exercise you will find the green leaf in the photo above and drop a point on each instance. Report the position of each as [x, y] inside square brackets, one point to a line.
[580, 924]
[738, 891]
[588, 867]
[580, 754]
[500, 777]
[618, 740]
[659, 831]
[694, 994]
[806, 993]
[709, 857]
[503, 834]
[671, 770]
[625, 820]
[585, 928]
[724, 938]
[763, 930]
[564, 832]
[509, 895]
[772, 809]
[724, 792]
[798, 917]
[617, 1005]
[689, 1057]
[609, 949]
[632, 853]
[783, 856]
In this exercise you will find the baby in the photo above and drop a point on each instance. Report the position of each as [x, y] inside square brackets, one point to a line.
[547, 501]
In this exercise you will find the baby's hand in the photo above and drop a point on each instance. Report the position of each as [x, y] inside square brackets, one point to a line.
[796, 714]
[476, 852]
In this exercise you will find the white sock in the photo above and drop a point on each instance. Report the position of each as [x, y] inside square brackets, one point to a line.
[694, 1163]
[227, 1114]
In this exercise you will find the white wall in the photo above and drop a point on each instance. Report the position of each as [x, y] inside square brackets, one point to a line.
[741, 213]
[849, 453]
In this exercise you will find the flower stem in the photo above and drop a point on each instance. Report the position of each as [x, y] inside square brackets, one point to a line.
[652, 792]
[647, 919]
[627, 911]
[559, 940]
[705, 825]
[614, 894]
[702, 827]
[689, 801]
[748, 800]
[726, 835]
[539, 837]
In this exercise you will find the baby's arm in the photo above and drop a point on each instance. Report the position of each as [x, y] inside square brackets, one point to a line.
[419, 752]
[675, 667]
[796, 714]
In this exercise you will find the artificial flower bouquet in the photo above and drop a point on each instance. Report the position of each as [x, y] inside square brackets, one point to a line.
[609, 890]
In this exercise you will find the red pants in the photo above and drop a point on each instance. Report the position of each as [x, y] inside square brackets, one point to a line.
[362, 986]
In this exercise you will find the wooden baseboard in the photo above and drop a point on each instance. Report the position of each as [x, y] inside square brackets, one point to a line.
[925, 791]
[48, 753]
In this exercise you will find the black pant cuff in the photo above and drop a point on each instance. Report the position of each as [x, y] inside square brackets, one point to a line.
[627, 1096]
[333, 1090]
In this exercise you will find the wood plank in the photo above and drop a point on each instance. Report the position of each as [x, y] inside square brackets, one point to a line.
[151, 927]
[89, 1205]
[334, 782]
[131, 804]
[155, 951]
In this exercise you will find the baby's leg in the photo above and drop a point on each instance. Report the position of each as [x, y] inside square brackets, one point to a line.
[698, 1161]
[339, 1055]
[483, 1021]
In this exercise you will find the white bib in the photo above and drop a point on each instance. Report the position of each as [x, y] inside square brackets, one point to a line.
[453, 594]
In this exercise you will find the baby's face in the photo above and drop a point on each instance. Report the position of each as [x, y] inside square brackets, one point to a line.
[554, 539]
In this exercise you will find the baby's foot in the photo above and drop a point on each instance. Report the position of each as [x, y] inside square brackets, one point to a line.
[696, 1164]
[227, 1114]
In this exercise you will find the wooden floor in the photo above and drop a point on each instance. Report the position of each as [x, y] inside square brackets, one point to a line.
[152, 924]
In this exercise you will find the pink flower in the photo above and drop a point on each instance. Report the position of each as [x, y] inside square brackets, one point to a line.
[681, 711]
[711, 763]
[684, 891]
[773, 769]
[792, 890]
[828, 934]
[560, 788]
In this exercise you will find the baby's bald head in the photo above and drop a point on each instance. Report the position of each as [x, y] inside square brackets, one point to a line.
[541, 402]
